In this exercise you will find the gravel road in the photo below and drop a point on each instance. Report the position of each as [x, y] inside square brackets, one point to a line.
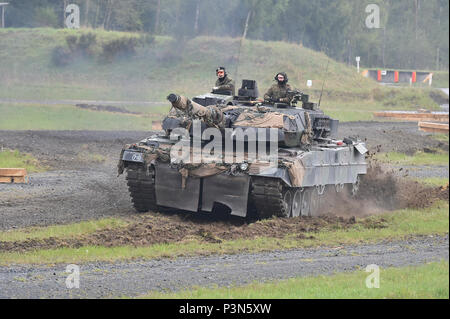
[420, 171]
[76, 187]
[64, 196]
[99, 280]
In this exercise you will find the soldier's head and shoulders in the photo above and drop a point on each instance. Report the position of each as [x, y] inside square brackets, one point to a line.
[282, 80]
[222, 76]
[280, 85]
[224, 84]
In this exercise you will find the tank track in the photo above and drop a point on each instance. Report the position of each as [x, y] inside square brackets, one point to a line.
[142, 188]
[267, 197]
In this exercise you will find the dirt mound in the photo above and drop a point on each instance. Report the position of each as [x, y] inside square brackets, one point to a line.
[159, 228]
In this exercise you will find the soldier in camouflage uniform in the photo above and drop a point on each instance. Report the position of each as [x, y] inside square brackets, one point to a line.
[278, 91]
[224, 84]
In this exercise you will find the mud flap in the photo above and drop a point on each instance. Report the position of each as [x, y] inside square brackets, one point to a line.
[169, 192]
[231, 191]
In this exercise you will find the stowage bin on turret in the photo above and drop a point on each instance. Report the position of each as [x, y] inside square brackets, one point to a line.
[244, 156]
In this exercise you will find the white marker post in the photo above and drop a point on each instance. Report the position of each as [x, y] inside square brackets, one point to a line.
[358, 58]
[2, 6]
[309, 83]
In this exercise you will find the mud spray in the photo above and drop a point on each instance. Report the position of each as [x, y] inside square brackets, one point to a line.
[381, 191]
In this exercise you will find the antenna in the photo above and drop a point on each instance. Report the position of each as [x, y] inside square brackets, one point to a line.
[238, 59]
[323, 83]
[244, 35]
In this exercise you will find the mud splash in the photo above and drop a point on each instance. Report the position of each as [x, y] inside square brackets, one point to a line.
[381, 191]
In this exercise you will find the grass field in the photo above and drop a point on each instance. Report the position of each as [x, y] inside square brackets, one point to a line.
[440, 79]
[427, 281]
[390, 226]
[419, 158]
[434, 181]
[166, 66]
[66, 117]
[15, 159]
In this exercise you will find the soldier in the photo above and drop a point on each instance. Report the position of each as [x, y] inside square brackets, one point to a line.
[224, 84]
[278, 91]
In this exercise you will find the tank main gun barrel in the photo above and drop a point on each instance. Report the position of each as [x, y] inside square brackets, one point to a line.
[211, 114]
[179, 102]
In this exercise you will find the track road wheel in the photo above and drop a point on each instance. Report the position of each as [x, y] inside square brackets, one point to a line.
[354, 188]
[315, 203]
[310, 202]
[297, 203]
[286, 204]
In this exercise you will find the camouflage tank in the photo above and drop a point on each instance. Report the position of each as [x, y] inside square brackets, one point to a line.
[225, 165]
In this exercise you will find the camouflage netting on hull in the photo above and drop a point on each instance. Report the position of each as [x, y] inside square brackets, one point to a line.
[292, 163]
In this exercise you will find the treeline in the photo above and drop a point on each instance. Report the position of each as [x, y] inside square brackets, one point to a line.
[411, 34]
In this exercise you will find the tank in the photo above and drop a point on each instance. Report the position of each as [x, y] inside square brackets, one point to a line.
[244, 156]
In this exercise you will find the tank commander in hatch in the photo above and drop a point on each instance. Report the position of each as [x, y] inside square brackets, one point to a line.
[279, 91]
[224, 84]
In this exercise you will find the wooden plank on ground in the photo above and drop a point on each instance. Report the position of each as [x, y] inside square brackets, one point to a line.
[415, 116]
[13, 175]
[433, 127]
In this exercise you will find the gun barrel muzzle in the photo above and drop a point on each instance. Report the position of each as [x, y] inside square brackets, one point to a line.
[173, 97]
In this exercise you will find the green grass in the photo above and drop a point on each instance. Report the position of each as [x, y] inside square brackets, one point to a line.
[64, 117]
[163, 66]
[167, 66]
[398, 225]
[62, 231]
[15, 159]
[419, 158]
[440, 79]
[440, 137]
[434, 181]
[430, 281]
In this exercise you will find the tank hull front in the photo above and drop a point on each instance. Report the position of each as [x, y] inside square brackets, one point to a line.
[201, 193]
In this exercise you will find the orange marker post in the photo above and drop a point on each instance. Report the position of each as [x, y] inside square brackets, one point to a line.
[396, 76]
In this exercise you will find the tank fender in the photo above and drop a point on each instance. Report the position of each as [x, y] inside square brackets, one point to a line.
[275, 172]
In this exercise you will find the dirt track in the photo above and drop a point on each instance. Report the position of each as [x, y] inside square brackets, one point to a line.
[139, 277]
[77, 187]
